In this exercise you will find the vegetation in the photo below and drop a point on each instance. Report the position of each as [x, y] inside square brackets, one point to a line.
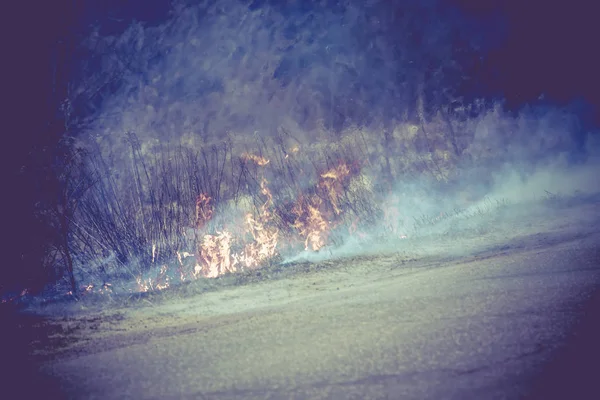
[206, 145]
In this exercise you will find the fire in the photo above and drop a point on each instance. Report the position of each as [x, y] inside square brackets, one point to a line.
[313, 214]
[337, 173]
[292, 150]
[203, 210]
[264, 245]
[229, 250]
[260, 161]
[106, 288]
[254, 241]
[13, 298]
[216, 256]
[215, 253]
[263, 233]
[142, 285]
[331, 184]
[310, 222]
[162, 280]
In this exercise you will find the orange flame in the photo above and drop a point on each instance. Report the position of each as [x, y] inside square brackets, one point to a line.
[265, 235]
[310, 222]
[216, 256]
[331, 184]
[215, 253]
[260, 161]
[203, 210]
[314, 217]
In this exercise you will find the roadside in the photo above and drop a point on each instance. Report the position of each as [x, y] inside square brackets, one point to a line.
[373, 324]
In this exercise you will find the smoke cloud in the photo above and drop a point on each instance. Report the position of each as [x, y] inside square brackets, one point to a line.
[309, 85]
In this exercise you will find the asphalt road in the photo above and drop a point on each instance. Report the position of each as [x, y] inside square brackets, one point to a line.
[516, 320]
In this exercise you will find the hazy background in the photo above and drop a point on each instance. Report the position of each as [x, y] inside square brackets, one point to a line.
[434, 104]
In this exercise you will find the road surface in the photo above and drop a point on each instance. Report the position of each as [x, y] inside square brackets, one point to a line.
[508, 313]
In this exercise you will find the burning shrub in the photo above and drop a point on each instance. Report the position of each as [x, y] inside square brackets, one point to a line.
[253, 132]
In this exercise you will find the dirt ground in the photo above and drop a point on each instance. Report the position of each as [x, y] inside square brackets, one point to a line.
[493, 310]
